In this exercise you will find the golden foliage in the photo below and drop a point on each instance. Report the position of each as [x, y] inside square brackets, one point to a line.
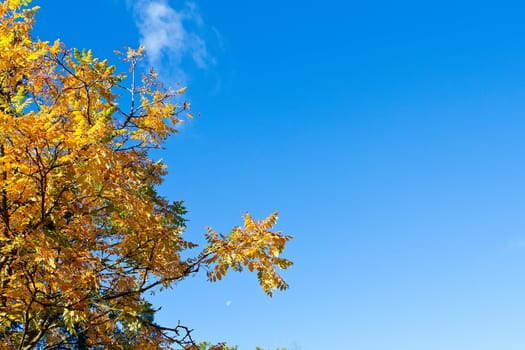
[253, 246]
[83, 233]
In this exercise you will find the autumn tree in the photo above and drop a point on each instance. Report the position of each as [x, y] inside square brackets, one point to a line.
[84, 234]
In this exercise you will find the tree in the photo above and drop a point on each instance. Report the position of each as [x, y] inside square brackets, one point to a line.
[83, 232]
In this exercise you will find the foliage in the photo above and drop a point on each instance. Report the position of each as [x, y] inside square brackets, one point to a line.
[83, 232]
[209, 346]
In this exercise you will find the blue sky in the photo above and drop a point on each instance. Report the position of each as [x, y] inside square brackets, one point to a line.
[389, 135]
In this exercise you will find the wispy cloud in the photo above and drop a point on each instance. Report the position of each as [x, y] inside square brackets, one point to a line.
[171, 35]
[517, 243]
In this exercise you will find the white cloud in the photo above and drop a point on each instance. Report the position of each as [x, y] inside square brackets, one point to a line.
[170, 35]
[517, 243]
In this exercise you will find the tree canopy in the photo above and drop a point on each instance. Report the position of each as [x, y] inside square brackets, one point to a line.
[84, 234]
